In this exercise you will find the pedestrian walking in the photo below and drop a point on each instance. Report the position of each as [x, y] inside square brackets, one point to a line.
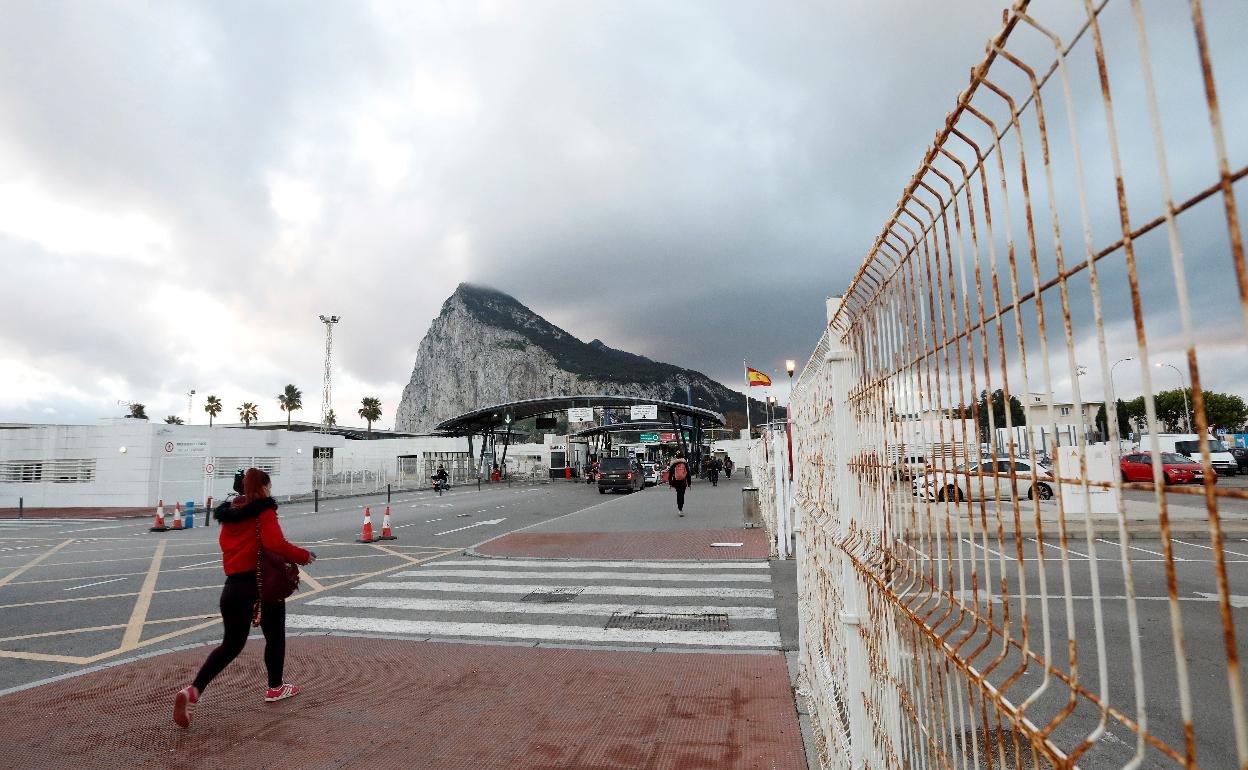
[727, 467]
[712, 471]
[678, 479]
[248, 525]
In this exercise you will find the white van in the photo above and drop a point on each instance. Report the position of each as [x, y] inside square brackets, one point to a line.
[1188, 444]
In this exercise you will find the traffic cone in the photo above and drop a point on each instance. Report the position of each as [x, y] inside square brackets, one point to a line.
[366, 535]
[177, 515]
[386, 534]
[159, 524]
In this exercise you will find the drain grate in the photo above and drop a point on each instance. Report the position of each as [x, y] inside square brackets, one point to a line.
[562, 594]
[649, 621]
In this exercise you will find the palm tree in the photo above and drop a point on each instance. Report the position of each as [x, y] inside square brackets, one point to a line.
[213, 407]
[331, 419]
[248, 412]
[289, 400]
[173, 419]
[137, 411]
[370, 410]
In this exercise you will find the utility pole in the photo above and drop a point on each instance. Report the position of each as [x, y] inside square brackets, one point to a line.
[190, 405]
[327, 389]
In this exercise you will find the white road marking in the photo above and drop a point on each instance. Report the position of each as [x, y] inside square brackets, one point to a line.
[532, 608]
[727, 545]
[201, 564]
[1207, 548]
[662, 577]
[1059, 548]
[470, 526]
[430, 521]
[1237, 600]
[523, 588]
[92, 529]
[1132, 547]
[561, 564]
[538, 632]
[88, 585]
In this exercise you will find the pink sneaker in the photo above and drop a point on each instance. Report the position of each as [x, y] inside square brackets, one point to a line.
[183, 703]
[281, 693]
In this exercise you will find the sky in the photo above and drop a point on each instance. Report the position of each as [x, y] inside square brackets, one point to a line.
[185, 187]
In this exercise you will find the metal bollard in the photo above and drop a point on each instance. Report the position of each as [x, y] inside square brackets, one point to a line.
[387, 494]
[316, 501]
[21, 507]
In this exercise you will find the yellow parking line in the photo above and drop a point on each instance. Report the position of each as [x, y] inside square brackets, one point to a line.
[303, 573]
[33, 562]
[134, 629]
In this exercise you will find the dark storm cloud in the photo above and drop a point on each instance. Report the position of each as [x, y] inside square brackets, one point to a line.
[683, 180]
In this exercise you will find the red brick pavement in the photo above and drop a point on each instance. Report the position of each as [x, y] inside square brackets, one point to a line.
[372, 703]
[83, 513]
[669, 544]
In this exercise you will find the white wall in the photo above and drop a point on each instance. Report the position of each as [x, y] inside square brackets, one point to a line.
[145, 472]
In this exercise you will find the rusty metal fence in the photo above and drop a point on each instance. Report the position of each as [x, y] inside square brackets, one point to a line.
[979, 586]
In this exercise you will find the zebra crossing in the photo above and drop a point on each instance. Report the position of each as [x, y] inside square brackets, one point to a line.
[724, 606]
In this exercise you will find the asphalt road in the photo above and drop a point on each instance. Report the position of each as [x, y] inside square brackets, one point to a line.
[74, 593]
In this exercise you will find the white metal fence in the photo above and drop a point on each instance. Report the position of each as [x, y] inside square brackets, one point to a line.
[1002, 608]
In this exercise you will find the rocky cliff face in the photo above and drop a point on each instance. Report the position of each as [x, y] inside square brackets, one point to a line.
[486, 348]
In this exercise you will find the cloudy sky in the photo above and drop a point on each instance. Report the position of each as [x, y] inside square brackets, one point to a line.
[185, 186]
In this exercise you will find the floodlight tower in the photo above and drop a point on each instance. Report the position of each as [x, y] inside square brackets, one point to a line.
[328, 386]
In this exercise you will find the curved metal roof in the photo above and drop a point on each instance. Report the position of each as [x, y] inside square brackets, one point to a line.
[480, 420]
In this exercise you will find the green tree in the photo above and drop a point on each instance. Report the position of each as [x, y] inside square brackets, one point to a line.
[289, 400]
[1224, 410]
[370, 410]
[137, 411]
[248, 412]
[331, 419]
[1124, 421]
[213, 407]
[173, 419]
[979, 410]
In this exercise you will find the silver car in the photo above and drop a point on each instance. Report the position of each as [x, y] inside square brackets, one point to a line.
[1002, 478]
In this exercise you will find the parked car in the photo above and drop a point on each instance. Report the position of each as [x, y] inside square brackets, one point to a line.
[651, 471]
[620, 473]
[1241, 457]
[1189, 444]
[1175, 468]
[966, 483]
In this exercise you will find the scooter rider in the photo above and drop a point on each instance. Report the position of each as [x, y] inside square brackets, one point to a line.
[440, 477]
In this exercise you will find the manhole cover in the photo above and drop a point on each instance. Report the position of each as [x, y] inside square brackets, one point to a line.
[553, 595]
[648, 621]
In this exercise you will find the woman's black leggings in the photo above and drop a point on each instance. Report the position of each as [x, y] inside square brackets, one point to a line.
[237, 599]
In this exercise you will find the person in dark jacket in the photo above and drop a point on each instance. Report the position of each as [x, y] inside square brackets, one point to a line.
[678, 479]
[241, 518]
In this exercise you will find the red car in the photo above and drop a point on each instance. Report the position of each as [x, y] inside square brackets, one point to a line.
[1177, 469]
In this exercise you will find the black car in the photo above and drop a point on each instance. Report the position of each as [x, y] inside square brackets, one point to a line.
[1241, 457]
[620, 473]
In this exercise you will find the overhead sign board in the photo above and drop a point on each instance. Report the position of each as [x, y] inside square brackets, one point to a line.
[648, 438]
[671, 436]
[581, 414]
[645, 412]
[175, 448]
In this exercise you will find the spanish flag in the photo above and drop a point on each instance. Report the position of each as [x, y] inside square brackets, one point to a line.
[755, 377]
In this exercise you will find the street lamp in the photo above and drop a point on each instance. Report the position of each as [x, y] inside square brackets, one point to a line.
[1113, 393]
[190, 405]
[1187, 412]
[789, 366]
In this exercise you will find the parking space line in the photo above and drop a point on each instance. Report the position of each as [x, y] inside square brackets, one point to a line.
[1207, 548]
[32, 563]
[1134, 548]
[97, 583]
[134, 628]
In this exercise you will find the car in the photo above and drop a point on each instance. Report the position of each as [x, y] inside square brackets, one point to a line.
[651, 472]
[1000, 476]
[1189, 444]
[1241, 457]
[621, 474]
[1175, 468]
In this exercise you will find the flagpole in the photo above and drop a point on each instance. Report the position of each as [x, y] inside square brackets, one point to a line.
[749, 430]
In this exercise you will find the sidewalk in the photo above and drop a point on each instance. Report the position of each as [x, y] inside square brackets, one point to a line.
[433, 696]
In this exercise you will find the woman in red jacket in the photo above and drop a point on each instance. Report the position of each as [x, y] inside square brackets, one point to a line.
[238, 554]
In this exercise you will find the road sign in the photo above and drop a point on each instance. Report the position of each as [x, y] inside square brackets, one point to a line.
[209, 468]
[183, 448]
[671, 436]
[648, 438]
[581, 414]
[645, 412]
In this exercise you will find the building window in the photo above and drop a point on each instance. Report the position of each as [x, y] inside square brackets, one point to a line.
[1065, 411]
[226, 467]
[71, 471]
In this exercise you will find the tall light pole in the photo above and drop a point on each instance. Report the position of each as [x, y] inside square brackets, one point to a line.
[1187, 412]
[190, 405]
[327, 388]
[1113, 392]
[790, 366]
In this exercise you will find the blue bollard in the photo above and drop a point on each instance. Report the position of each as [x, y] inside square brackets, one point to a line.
[188, 521]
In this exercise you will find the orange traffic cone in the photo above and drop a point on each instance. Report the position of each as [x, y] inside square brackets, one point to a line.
[386, 534]
[159, 524]
[177, 515]
[366, 534]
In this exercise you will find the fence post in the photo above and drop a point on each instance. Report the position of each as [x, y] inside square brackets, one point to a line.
[21, 507]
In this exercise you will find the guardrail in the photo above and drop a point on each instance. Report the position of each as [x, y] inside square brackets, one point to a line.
[1077, 210]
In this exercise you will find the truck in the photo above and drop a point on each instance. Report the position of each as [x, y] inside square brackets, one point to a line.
[1188, 444]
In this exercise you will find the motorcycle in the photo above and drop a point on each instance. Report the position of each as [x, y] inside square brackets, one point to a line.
[440, 486]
